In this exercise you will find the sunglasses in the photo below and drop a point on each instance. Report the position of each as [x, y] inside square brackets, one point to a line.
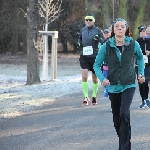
[89, 20]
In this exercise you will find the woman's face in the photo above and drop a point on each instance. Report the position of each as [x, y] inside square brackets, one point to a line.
[143, 33]
[120, 28]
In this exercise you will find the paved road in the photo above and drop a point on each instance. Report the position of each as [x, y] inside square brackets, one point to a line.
[66, 125]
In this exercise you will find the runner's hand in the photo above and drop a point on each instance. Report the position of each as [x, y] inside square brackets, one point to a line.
[78, 45]
[141, 79]
[105, 82]
[96, 37]
[147, 52]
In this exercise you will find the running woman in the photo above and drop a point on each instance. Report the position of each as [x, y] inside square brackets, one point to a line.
[119, 52]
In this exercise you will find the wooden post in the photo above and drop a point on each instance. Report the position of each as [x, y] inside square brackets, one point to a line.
[55, 59]
[54, 35]
[45, 56]
[52, 58]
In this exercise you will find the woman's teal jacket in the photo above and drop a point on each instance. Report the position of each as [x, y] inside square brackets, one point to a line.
[101, 57]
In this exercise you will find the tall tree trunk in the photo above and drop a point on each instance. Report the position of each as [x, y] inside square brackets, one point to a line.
[123, 8]
[139, 18]
[32, 52]
[15, 40]
[107, 13]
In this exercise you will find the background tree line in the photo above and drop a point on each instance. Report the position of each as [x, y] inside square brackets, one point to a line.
[13, 20]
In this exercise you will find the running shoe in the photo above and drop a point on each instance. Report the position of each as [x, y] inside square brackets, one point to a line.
[143, 104]
[147, 103]
[94, 101]
[85, 102]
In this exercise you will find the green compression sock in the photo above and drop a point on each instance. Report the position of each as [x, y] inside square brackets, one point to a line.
[85, 88]
[95, 89]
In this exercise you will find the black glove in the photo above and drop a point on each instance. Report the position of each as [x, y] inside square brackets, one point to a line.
[96, 38]
[78, 45]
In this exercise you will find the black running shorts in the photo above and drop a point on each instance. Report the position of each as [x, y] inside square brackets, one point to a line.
[87, 63]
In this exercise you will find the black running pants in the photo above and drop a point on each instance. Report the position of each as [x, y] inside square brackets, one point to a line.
[120, 103]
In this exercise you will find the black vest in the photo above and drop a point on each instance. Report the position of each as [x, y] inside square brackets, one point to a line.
[121, 71]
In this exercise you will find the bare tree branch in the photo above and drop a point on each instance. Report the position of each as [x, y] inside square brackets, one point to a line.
[49, 9]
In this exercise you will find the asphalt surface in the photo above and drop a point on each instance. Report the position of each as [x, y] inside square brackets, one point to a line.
[66, 125]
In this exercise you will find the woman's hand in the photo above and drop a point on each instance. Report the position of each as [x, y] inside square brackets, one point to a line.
[141, 79]
[105, 82]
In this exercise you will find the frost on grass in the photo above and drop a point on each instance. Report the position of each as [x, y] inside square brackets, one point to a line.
[17, 98]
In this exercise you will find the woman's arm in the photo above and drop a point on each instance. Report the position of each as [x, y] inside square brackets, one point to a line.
[99, 61]
[140, 60]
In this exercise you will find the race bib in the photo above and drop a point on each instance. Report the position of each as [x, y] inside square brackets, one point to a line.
[88, 50]
[145, 59]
